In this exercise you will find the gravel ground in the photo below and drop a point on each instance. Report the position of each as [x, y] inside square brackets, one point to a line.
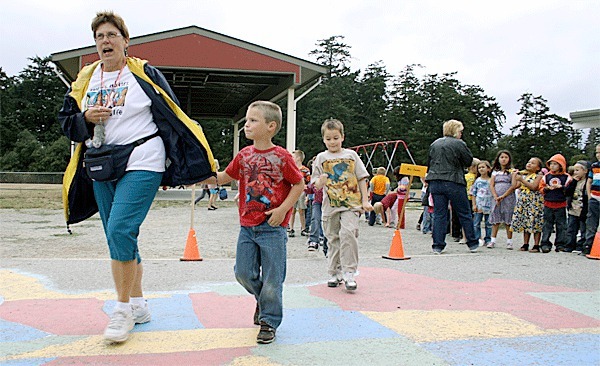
[36, 241]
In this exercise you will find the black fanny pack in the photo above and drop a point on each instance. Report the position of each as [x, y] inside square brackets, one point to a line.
[108, 162]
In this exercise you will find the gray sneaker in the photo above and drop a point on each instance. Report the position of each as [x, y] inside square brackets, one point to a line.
[141, 314]
[119, 326]
[350, 282]
[334, 281]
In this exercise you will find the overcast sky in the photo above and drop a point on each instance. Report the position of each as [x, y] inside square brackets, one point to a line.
[548, 48]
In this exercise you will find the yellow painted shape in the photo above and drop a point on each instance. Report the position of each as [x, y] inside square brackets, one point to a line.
[444, 325]
[253, 361]
[151, 342]
[15, 286]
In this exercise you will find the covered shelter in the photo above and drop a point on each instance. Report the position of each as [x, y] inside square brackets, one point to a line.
[586, 119]
[214, 75]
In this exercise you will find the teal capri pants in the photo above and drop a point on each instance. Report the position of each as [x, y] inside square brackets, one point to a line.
[123, 206]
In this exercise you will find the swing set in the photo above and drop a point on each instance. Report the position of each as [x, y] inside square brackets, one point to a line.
[381, 153]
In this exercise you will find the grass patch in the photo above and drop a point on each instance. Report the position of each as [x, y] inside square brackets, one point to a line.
[31, 198]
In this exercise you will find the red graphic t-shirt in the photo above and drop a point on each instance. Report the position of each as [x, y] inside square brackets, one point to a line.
[265, 178]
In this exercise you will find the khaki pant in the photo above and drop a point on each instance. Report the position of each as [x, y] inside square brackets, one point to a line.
[341, 231]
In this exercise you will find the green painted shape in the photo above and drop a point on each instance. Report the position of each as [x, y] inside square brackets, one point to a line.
[299, 297]
[587, 303]
[387, 351]
[229, 289]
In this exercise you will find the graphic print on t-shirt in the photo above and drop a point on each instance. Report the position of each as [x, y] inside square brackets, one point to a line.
[110, 97]
[342, 185]
[264, 173]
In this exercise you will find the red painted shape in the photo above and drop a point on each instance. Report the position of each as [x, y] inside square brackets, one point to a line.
[217, 311]
[219, 356]
[58, 316]
[196, 51]
[382, 289]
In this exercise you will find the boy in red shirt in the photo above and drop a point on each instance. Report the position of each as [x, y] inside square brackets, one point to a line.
[269, 185]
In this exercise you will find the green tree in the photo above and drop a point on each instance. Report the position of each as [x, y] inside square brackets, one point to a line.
[22, 156]
[39, 96]
[334, 98]
[592, 140]
[541, 133]
[419, 106]
[9, 126]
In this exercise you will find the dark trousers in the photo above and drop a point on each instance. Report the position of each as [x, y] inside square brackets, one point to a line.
[591, 224]
[372, 215]
[552, 217]
[444, 192]
[575, 224]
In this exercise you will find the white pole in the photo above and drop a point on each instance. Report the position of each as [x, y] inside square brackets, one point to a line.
[193, 206]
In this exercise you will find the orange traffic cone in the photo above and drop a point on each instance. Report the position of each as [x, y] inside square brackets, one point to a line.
[396, 249]
[595, 252]
[191, 252]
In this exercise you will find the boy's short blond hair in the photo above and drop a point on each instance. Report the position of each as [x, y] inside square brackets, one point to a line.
[270, 111]
[452, 128]
[475, 163]
[381, 170]
[299, 154]
[332, 124]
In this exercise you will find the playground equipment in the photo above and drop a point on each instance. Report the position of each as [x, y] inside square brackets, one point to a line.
[384, 149]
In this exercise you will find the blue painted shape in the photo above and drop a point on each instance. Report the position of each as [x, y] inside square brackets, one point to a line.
[16, 332]
[556, 350]
[328, 324]
[28, 362]
[171, 313]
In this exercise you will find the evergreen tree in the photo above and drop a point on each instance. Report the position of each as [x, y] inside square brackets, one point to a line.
[541, 133]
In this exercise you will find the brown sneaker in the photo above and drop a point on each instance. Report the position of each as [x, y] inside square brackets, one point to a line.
[266, 334]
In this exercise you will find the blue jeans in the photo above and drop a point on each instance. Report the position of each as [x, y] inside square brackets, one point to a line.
[477, 226]
[427, 220]
[444, 192]
[260, 267]
[123, 206]
[591, 223]
[554, 216]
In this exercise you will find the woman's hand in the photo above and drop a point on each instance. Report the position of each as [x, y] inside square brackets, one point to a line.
[97, 114]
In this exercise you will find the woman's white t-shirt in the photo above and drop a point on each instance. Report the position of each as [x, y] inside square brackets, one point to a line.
[131, 118]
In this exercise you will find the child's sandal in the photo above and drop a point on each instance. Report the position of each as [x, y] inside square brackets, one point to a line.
[535, 249]
[524, 247]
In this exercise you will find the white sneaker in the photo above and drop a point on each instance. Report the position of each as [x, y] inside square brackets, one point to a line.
[121, 323]
[490, 245]
[481, 242]
[462, 241]
[334, 281]
[141, 314]
[350, 282]
[509, 246]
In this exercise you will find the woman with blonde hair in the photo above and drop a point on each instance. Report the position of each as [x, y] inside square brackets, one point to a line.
[448, 158]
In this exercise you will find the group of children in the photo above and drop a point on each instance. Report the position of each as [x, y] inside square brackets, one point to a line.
[272, 181]
[538, 200]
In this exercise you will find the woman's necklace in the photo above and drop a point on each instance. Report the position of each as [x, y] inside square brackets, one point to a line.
[104, 102]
